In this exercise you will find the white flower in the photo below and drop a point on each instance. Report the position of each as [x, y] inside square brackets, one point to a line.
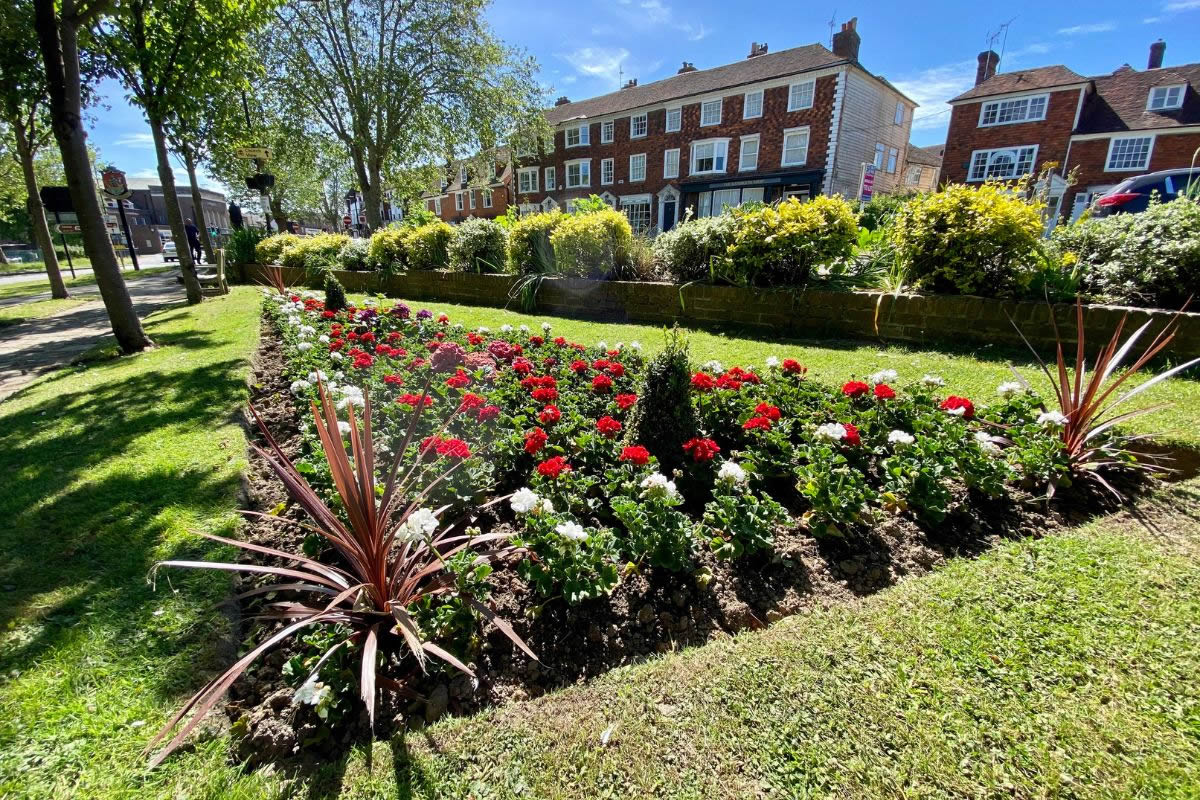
[601, 345]
[323, 339]
[933, 380]
[635, 345]
[506, 328]
[546, 327]
[884, 376]
[986, 443]
[524, 329]
[957, 412]
[304, 347]
[350, 395]
[901, 438]
[458, 326]
[731, 473]
[300, 387]
[306, 330]
[344, 427]
[1055, 419]
[833, 431]
[658, 485]
[571, 530]
[483, 329]
[618, 345]
[1009, 389]
[336, 356]
[712, 365]
[420, 524]
[369, 302]
[317, 375]
[316, 694]
[772, 362]
[547, 506]
[524, 500]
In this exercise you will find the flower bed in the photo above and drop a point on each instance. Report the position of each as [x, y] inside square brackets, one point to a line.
[745, 493]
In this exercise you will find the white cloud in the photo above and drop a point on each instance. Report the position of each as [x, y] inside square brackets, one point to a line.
[932, 87]
[603, 63]
[1182, 5]
[1151, 20]
[139, 141]
[1091, 27]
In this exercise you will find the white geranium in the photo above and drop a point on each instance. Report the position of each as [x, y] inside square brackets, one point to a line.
[336, 356]
[300, 387]
[316, 694]
[602, 345]
[317, 375]
[419, 525]
[304, 347]
[712, 365]
[483, 329]
[344, 427]
[933, 380]
[884, 376]
[1009, 389]
[731, 473]
[772, 362]
[546, 327]
[369, 302]
[524, 500]
[833, 431]
[986, 442]
[636, 346]
[506, 328]
[524, 329]
[323, 339]
[547, 507]
[1054, 419]
[306, 330]
[959, 411]
[350, 395]
[571, 530]
[901, 438]
[659, 485]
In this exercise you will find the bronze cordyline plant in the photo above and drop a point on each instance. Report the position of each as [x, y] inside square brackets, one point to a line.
[1085, 395]
[386, 565]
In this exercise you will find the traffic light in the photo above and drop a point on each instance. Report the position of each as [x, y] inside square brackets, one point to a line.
[261, 182]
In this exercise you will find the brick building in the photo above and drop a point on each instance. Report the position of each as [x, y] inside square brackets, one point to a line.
[462, 194]
[798, 122]
[1109, 127]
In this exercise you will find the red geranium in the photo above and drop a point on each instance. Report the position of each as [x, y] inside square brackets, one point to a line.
[636, 455]
[522, 366]
[535, 440]
[536, 341]
[560, 341]
[757, 423]
[953, 403]
[413, 399]
[488, 413]
[553, 467]
[579, 367]
[545, 395]
[367, 338]
[701, 449]
[770, 412]
[327, 315]
[471, 400]
[443, 318]
[703, 382]
[852, 438]
[855, 388]
[459, 380]
[550, 415]
[616, 369]
[884, 392]
[395, 380]
[454, 448]
[608, 427]
[599, 364]
[602, 384]
[394, 336]
[474, 338]
[626, 401]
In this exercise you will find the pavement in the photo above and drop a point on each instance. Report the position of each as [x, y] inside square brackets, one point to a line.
[33, 348]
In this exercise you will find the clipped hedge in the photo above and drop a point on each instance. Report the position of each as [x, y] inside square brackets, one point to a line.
[685, 252]
[270, 250]
[529, 247]
[478, 245]
[780, 245]
[427, 247]
[592, 245]
[386, 250]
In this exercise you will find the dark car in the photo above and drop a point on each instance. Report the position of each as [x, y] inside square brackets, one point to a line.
[1132, 195]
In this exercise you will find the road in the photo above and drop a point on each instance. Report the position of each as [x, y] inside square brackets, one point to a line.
[154, 260]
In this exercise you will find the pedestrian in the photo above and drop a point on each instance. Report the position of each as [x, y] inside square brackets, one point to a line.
[193, 237]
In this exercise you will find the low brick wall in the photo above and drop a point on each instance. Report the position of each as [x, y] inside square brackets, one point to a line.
[806, 313]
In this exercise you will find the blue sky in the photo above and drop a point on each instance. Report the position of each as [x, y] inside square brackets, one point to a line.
[584, 46]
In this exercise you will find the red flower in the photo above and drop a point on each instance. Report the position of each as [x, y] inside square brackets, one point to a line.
[367, 337]
[884, 392]
[545, 395]
[488, 413]
[459, 380]
[453, 448]
[413, 399]
[770, 412]
[327, 315]
[953, 403]
[471, 400]
[393, 336]
[522, 366]
[602, 384]
[852, 437]
[443, 318]
[440, 335]
[550, 415]
[636, 455]
[536, 341]
[560, 341]
[599, 364]
[363, 361]
[336, 344]
[757, 423]
[729, 382]
[608, 427]
[474, 338]
[701, 449]
[626, 401]
[703, 382]
[535, 440]
[395, 380]
[579, 367]
[616, 369]
[553, 467]
[855, 388]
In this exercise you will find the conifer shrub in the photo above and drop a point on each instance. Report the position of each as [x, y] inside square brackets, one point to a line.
[664, 417]
[335, 293]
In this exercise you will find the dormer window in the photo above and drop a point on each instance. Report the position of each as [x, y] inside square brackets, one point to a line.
[1165, 98]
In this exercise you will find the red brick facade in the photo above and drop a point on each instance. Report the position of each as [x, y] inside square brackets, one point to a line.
[1171, 151]
[449, 210]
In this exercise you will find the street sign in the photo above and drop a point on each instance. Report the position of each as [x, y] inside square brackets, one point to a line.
[868, 183]
[114, 184]
[67, 228]
[263, 153]
[362, 219]
[346, 220]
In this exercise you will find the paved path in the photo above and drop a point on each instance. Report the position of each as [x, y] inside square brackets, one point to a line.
[33, 348]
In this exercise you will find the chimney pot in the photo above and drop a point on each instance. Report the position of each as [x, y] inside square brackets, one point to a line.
[988, 61]
[1156, 54]
[630, 83]
[687, 67]
[846, 42]
[757, 49]
[562, 101]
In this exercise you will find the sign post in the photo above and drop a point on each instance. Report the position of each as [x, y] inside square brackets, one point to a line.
[115, 187]
[866, 184]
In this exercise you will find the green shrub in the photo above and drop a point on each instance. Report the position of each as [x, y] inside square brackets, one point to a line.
[664, 417]
[417, 215]
[882, 209]
[780, 245]
[310, 251]
[270, 250]
[686, 251]
[983, 240]
[478, 245]
[594, 245]
[529, 248]
[335, 293]
[386, 249]
[354, 255]
[1152, 258]
[427, 247]
[242, 247]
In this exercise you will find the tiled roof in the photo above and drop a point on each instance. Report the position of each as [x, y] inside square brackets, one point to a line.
[1023, 81]
[931, 155]
[1119, 102]
[749, 70]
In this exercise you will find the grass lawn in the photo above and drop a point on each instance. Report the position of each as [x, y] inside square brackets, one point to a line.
[21, 288]
[27, 266]
[11, 315]
[1066, 667]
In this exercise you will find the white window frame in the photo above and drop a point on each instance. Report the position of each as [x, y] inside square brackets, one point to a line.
[990, 153]
[1112, 143]
[783, 159]
[582, 135]
[581, 163]
[742, 142]
[458, 201]
[1166, 93]
[607, 164]
[900, 113]
[893, 159]
[812, 93]
[532, 174]
[632, 160]
[667, 172]
[998, 104]
[462, 176]
[704, 107]
[880, 155]
[437, 206]
[634, 120]
[746, 104]
[606, 131]
[716, 143]
[638, 200]
[487, 198]
[550, 179]
[471, 198]
[678, 114]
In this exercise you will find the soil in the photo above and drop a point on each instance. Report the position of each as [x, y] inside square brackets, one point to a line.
[650, 612]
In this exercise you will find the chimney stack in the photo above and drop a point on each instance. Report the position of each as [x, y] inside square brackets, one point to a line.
[847, 40]
[629, 84]
[687, 67]
[757, 49]
[1156, 54]
[988, 61]
[562, 101]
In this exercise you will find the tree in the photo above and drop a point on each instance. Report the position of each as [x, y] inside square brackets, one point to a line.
[399, 82]
[170, 54]
[57, 30]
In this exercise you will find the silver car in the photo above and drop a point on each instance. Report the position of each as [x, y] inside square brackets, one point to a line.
[169, 253]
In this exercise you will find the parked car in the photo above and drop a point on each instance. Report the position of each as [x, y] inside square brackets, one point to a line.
[1132, 195]
[169, 253]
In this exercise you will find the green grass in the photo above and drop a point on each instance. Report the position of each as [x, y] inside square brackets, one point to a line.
[29, 266]
[13, 314]
[41, 285]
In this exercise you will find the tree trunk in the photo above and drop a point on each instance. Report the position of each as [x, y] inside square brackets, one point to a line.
[198, 208]
[58, 41]
[276, 209]
[37, 213]
[174, 218]
[368, 185]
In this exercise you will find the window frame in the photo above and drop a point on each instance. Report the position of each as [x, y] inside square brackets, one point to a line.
[550, 179]
[633, 156]
[783, 159]
[608, 131]
[674, 150]
[437, 206]
[644, 118]
[715, 142]
[893, 160]
[459, 204]
[880, 155]
[746, 104]
[812, 94]
[521, 174]
[1028, 98]
[720, 101]
[1112, 143]
[678, 112]
[901, 113]
[487, 198]
[612, 171]
[583, 134]
[990, 151]
[471, 199]
[462, 176]
[1166, 90]
[742, 142]
[578, 162]
[637, 200]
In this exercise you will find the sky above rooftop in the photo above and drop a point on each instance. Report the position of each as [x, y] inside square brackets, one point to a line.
[587, 47]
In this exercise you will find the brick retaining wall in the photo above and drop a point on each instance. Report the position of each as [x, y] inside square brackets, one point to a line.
[920, 319]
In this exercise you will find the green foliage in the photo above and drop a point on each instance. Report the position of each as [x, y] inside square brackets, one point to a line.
[741, 521]
[1150, 259]
[983, 240]
[417, 214]
[780, 245]
[656, 531]
[664, 417]
[478, 245]
[386, 249]
[313, 252]
[270, 249]
[595, 244]
[355, 255]
[686, 252]
[242, 247]
[529, 248]
[577, 569]
[881, 210]
[592, 204]
[428, 246]
[335, 293]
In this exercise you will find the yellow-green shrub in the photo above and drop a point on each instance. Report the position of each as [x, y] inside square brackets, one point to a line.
[529, 248]
[314, 251]
[592, 245]
[427, 246]
[387, 249]
[780, 245]
[270, 249]
[984, 240]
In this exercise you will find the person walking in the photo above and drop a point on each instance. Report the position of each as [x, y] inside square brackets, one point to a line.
[193, 237]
